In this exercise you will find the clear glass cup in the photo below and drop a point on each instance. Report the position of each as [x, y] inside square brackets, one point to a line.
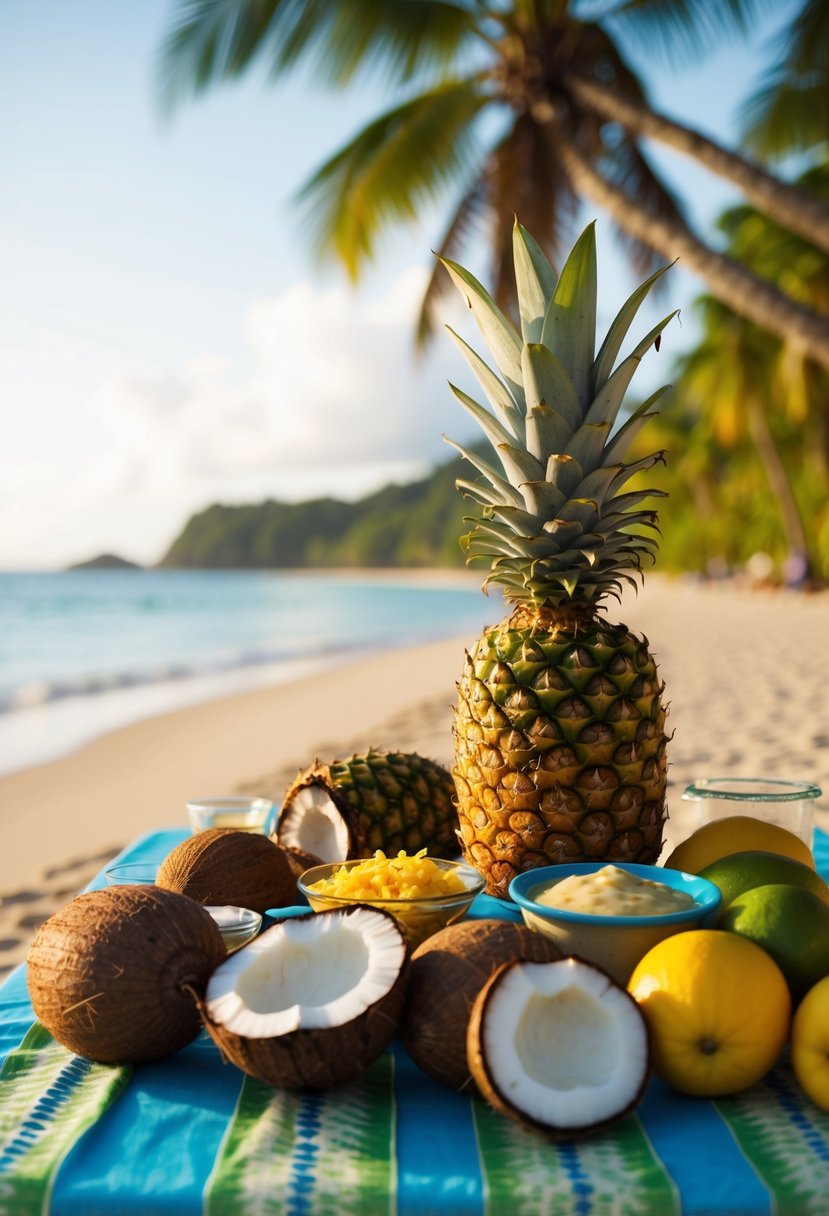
[789, 804]
[143, 872]
[241, 814]
[237, 926]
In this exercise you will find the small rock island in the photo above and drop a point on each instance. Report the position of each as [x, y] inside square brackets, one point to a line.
[105, 561]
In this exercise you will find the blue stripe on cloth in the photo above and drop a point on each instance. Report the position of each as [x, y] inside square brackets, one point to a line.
[152, 846]
[299, 1199]
[438, 1169]
[701, 1156]
[568, 1155]
[16, 1013]
[155, 1148]
[820, 848]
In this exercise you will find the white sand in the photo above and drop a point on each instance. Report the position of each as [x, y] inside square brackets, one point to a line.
[746, 672]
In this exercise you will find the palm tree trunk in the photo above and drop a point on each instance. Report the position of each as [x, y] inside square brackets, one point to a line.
[746, 293]
[792, 208]
[779, 481]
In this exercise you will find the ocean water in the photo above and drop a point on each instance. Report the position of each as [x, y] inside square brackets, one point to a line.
[84, 652]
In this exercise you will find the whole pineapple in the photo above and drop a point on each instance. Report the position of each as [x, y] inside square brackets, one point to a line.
[560, 724]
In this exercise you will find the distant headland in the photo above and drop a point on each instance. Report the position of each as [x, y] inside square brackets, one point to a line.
[105, 561]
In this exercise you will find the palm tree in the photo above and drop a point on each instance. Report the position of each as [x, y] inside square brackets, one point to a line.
[741, 384]
[516, 106]
[728, 378]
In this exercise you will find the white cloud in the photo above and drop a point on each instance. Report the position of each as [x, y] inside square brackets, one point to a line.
[333, 401]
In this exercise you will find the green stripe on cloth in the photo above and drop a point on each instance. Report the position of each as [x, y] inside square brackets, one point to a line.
[48, 1099]
[785, 1138]
[528, 1175]
[292, 1154]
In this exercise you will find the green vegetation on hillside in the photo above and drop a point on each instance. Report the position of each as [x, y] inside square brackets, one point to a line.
[417, 524]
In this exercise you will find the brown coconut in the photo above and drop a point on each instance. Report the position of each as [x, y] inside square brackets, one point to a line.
[223, 866]
[448, 971]
[298, 859]
[334, 1051]
[115, 975]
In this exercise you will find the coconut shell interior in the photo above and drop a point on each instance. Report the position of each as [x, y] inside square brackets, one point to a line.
[314, 1058]
[115, 975]
[292, 816]
[579, 1059]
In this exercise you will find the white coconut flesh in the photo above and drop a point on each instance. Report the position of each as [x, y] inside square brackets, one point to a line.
[564, 1044]
[307, 973]
[314, 824]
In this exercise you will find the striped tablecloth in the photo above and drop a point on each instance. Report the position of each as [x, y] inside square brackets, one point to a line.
[192, 1135]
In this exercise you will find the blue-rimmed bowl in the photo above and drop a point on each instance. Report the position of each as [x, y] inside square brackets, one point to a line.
[614, 943]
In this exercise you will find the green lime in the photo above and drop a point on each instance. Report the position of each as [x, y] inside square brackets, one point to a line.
[791, 924]
[739, 872]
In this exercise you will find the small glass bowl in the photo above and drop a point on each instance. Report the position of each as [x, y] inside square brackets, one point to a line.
[418, 918]
[236, 925]
[240, 814]
[131, 872]
[614, 943]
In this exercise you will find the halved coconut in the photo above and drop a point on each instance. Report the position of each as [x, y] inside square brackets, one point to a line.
[372, 800]
[115, 974]
[312, 1001]
[448, 971]
[559, 1046]
[316, 822]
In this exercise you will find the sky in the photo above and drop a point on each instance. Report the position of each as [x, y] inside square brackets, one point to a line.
[167, 337]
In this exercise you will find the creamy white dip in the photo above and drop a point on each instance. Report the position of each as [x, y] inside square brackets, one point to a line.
[613, 892]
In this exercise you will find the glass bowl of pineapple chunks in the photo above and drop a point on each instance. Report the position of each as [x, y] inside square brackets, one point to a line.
[423, 893]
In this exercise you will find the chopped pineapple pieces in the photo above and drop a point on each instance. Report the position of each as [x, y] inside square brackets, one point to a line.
[392, 878]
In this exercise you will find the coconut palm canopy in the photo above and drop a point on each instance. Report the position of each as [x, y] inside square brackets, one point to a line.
[789, 110]
[739, 385]
[521, 107]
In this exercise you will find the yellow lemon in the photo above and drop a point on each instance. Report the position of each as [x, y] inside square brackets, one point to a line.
[736, 834]
[810, 1044]
[717, 1008]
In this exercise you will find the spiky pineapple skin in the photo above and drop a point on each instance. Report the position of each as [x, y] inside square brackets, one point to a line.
[560, 746]
[390, 801]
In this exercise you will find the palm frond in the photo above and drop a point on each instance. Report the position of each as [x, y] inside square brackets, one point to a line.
[789, 109]
[391, 167]
[213, 40]
[677, 30]
[465, 217]
[781, 116]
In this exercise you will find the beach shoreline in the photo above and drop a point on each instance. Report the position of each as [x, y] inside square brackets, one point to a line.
[114, 648]
[736, 708]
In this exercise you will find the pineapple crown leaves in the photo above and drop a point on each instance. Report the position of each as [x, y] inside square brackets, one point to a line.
[552, 521]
